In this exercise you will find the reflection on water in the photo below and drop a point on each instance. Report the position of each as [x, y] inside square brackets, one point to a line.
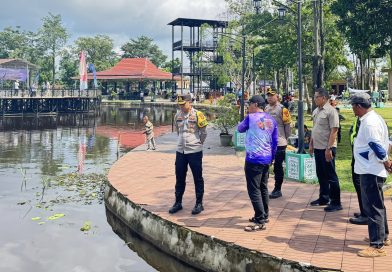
[39, 157]
[154, 257]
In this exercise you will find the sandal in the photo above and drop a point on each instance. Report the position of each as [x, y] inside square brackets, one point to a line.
[256, 227]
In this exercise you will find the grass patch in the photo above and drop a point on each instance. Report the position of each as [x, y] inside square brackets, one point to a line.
[343, 157]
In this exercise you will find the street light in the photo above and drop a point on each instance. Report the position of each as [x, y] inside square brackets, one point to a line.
[300, 121]
[281, 13]
[257, 5]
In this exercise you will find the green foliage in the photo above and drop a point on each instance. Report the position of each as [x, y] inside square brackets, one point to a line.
[13, 43]
[366, 25]
[52, 38]
[228, 116]
[343, 157]
[167, 66]
[143, 47]
[69, 65]
[99, 51]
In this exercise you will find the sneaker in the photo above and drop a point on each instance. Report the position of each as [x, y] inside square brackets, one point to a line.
[318, 202]
[333, 208]
[387, 242]
[198, 208]
[176, 207]
[360, 220]
[371, 252]
[275, 194]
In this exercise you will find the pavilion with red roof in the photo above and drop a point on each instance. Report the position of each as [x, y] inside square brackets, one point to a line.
[134, 74]
[136, 69]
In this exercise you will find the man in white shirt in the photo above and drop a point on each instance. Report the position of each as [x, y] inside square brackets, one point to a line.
[372, 165]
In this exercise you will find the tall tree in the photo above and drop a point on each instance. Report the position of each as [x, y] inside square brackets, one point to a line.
[144, 47]
[13, 43]
[367, 28]
[53, 37]
[68, 67]
[99, 50]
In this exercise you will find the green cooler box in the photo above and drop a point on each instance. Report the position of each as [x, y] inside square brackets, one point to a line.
[239, 140]
[300, 167]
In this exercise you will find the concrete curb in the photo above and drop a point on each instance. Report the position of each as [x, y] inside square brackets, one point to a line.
[196, 249]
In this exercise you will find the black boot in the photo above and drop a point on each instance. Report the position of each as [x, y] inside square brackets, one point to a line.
[198, 208]
[276, 193]
[176, 207]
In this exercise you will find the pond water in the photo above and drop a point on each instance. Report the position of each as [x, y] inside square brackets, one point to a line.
[52, 173]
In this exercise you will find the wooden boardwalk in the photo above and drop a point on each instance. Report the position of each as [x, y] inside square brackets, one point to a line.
[296, 230]
[55, 93]
[20, 102]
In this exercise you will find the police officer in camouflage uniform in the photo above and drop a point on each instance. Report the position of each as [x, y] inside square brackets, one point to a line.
[283, 119]
[191, 126]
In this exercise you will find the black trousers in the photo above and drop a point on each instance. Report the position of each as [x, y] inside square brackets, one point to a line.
[373, 204]
[257, 185]
[327, 177]
[195, 163]
[357, 186]
[278, 166]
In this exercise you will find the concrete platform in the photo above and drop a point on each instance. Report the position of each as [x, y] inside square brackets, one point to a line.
[298, 238]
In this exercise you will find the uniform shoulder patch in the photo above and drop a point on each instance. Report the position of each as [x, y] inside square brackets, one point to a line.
[201, 119]
[286, 117]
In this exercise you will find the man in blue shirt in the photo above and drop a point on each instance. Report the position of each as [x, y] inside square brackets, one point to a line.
[261, 142]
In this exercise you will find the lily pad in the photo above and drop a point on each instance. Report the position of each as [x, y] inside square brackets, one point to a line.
[86, 226]
[56, 216]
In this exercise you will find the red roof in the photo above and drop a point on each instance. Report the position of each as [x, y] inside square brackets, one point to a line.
[133, 68]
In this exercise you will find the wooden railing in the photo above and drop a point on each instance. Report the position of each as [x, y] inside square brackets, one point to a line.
[55, 93]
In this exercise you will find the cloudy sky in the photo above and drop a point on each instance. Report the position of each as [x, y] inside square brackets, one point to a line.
[120, 19]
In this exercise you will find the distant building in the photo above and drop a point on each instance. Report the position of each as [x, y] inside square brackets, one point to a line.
[339, 85]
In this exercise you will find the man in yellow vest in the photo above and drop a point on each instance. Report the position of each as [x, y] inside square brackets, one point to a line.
[191, 126]
[283, 120]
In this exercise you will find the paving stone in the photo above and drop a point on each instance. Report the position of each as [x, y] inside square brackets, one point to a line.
[296, 231]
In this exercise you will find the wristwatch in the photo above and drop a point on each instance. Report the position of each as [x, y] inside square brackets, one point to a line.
[329, 147]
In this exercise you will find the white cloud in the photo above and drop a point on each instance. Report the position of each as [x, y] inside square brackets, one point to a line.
[120, 19]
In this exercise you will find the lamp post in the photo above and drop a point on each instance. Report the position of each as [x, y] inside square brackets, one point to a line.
[301, 149]
[243, 78]
[243, 47]
[300, 121]
[257, 5]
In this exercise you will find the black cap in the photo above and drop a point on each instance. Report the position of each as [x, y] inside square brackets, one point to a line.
[183, 98]
[271, 91]
[361, 98]
[259, 100]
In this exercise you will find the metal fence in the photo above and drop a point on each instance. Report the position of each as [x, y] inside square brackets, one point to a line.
[55, 93]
